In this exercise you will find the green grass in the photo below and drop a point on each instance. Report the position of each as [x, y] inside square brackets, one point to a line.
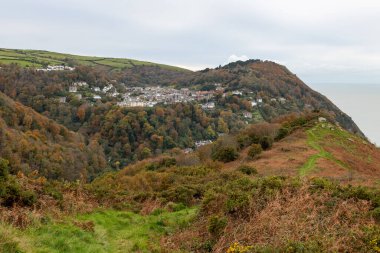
[325, 134]
[256, 116]
[38, 58]
[114, 231]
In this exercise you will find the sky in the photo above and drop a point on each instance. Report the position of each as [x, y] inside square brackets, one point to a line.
[326, 43]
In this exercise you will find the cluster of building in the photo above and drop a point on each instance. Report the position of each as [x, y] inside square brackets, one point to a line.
[202, 143]
[152, 95]
[56, 68]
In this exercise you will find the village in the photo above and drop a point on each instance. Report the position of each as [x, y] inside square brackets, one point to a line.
[150, 96]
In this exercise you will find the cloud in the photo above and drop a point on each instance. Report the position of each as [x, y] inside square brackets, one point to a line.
[318, 40]
[234, 58]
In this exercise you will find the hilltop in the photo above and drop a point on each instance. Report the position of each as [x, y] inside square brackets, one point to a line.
[41, 58]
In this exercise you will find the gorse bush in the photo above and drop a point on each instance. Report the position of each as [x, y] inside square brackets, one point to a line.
[248, 170]
[216, 225]
[254, 150]
[225, 154]
[10, 190]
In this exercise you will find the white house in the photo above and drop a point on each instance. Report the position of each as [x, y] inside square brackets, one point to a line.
[80, 84]
[253, 103]
[96, 89]
[97, 97]
[209, 105]
[247, 115]
[107, 88]
[73, 89]
[237, 92]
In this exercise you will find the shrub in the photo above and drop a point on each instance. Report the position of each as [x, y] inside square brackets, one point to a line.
[273, 183]
[248, 170]
[13, 194]
[216, 225]
[254, 150]
[168, 162]
[321, 184]
[266, 142]
[237, 203]
[4, 170]
[237, 248]
[28, 198]
[244, 140]
[53, 192]
[185, 194]
[282, 133]
[225, 154]
[376, 214]
[163, 163]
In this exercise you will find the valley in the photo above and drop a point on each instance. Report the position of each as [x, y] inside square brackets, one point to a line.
[118, 155]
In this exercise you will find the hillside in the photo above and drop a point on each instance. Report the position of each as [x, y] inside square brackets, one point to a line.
[293, 196]
[41, 58]
[32, 142]
[321, 150]
[270, 81]
[180, 117]
[240, 158]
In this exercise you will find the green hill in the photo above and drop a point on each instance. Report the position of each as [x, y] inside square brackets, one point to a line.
[41, 58]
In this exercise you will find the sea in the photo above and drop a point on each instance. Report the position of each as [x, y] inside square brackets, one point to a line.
[360, 101]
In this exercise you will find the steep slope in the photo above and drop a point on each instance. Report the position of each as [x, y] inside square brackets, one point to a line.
[192, 203]
[320, 150]
[31, 142]
[270, 81]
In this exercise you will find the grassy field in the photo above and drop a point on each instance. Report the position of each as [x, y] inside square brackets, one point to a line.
[109, 231]
[314, 137]
[37, 58]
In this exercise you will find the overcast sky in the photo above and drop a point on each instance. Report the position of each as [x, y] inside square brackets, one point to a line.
[321, 41]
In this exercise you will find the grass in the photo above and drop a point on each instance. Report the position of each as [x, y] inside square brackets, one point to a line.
[38, 58]
[114, 231]
[314, 137]
[256, 116]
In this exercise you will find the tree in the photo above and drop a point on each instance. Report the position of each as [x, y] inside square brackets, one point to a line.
[266, 142]
[222, 126]
[225, 154]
